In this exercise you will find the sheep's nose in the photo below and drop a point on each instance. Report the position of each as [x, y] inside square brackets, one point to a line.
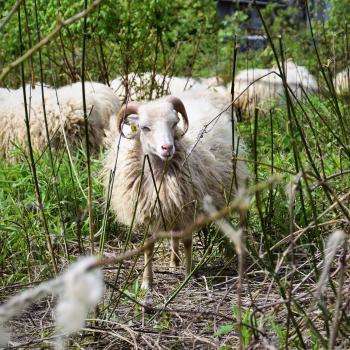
[167, 147]
[167, 150]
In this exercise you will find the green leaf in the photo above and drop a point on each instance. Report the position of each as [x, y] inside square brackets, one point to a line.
[225, 329]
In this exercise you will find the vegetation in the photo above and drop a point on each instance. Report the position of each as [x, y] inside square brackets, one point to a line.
[277, 298]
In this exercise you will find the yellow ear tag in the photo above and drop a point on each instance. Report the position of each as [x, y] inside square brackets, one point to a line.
[133, 127]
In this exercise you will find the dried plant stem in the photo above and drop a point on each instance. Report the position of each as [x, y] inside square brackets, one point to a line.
[239, 295]
[31, 155]
[337, 313]
[10, 14]
[87, 143]
[128, 236]
[234, 151]
[157, 189]
[202, 220]
[27, 28]
[55, 180]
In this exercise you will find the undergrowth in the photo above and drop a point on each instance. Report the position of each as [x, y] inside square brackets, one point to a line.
[306, 141]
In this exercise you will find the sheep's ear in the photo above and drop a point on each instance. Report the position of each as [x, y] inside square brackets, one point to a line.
[131, 126]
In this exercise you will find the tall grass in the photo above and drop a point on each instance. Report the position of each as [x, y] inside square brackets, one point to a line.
[53, 209]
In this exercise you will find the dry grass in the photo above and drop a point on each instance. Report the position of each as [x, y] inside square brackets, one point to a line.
[130, 318]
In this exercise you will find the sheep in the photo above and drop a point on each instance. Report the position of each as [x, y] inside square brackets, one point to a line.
[255, 87]
[65, 118]
[212, 82]
[139, 85]
[102, 103]
[176, 85]
[341, 81]
[298, 78]
[186, 166]
[5, 93]
[259, 87]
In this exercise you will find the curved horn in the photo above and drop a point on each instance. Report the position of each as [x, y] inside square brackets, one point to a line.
[130, 108]
[180, 108]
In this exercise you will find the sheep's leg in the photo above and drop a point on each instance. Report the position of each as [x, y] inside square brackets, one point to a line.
[188, 254]
[147, 278]
[174, 255]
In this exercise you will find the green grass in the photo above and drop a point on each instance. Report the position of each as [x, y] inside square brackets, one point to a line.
[22, 239]
[307, 142]
[24, 255]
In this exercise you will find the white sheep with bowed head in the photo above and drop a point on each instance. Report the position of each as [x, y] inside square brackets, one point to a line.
[65, 116]
[342, 81]
[258, 87]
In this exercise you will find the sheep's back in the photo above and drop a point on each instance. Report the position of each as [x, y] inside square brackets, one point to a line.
[64, 113]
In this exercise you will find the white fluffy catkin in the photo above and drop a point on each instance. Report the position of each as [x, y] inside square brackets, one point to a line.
[78, 289]
[235, 236]
[334, 241]
[81, 290]
[4, 336]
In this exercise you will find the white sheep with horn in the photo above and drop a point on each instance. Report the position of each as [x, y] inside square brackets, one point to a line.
[187, 163]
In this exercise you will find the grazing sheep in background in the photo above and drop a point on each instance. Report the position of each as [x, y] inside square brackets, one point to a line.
[139, 85]
[212, 81]
[177, 85]
[341, 81]
[191, 170]
[64, 118]
[101, 102]
[259, 87]
[298, 78]
[5, 94]
[250, 92]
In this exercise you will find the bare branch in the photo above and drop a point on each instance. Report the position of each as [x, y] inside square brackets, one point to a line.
[11, 13]
[236, 205]
[49, 37]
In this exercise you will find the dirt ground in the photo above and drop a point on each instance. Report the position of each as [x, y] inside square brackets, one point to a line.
[203, 315]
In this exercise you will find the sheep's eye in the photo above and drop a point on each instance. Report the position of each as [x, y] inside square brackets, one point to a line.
[175, 124]
[145, 128]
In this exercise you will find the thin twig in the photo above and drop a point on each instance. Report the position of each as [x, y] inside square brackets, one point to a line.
[87, 143]
[187, 232]
[63, 23]
[10, 14]
[32, 162]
